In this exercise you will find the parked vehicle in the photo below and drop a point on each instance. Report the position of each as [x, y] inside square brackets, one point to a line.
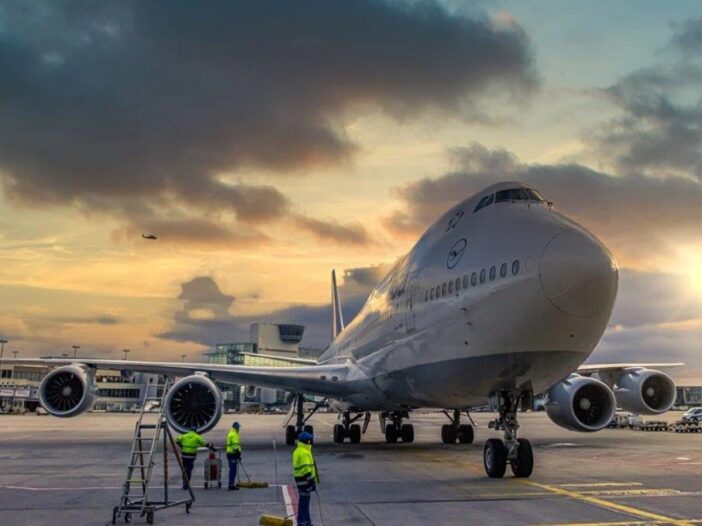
[694, 414]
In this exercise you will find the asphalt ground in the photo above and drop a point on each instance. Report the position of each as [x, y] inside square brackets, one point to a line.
[70, 471]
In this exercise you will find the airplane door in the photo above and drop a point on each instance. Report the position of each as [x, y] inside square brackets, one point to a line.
[412, 284]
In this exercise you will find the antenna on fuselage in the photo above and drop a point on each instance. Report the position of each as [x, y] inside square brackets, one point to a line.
[337, 316]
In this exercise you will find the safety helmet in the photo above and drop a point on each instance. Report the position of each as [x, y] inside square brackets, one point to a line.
[305, 437]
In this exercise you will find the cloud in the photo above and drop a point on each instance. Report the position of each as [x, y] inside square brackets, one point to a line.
[205, 315]
[88, 320]
[350, 234]
[688, 36]
[142, 106]
[632, 213]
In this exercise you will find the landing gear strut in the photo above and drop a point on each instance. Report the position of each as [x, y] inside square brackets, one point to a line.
[348, 429]
[396, 429]
[297, 408]
[516, 451]
[455, 431]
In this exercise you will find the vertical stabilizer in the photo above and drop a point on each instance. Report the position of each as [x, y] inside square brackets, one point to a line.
[337, 317]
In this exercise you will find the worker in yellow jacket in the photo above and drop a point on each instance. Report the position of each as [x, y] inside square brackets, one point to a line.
[189, 442]
[306, 477]
[233, 454]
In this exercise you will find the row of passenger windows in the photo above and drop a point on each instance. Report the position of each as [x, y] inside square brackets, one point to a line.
[456, 285]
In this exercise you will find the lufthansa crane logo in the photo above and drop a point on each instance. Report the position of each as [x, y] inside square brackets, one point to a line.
[456, 253]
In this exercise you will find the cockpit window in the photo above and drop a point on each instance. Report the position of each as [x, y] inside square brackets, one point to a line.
[485, 201]
[518, 194]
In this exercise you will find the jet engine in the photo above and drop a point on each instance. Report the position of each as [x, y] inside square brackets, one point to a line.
[194, 402]
[580, 403]
[645, 392]
[68, 391]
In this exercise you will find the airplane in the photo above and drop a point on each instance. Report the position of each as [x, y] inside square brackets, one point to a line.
[502, 298]
[149, 236]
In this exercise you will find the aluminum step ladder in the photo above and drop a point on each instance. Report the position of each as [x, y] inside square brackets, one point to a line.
[151, 429]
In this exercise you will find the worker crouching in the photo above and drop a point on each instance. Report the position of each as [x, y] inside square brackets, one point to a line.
[233, 454]
[189, 442]
[306, 477]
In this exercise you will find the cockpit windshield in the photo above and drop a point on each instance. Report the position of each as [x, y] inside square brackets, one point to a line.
[518, 194]
[512, 194]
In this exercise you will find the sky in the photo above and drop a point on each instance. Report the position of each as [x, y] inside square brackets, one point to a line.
[268, 143]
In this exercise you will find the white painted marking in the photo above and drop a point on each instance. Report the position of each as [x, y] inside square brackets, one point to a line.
[287, 498]
[682, 458]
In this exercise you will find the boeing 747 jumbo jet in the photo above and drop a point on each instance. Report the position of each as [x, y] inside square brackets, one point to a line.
[500, 299]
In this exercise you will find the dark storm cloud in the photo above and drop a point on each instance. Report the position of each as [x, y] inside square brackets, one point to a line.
[688, 36]
[202, 295]
[632, 212]
[134, 103]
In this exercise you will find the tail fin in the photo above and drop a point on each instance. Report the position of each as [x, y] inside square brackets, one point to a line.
[337, 316]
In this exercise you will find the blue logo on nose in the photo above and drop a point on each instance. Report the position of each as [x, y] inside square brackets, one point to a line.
[456, 253]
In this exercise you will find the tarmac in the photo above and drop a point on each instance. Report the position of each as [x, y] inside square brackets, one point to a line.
[70, 472]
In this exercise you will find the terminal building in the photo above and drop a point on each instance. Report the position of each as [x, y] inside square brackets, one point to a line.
[19, 388]
[267, 340]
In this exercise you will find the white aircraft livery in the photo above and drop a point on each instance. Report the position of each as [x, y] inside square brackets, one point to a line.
[502, 298]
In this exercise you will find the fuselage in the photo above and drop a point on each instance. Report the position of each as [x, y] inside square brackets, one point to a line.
[501, 292]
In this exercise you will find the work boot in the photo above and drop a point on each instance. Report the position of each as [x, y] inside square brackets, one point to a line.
[233, 488]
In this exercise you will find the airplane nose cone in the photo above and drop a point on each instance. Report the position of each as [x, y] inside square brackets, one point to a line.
[578, 274]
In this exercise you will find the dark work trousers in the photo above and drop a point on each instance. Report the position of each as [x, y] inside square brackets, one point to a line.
[303, 508]
[233, 459]
[188, 464]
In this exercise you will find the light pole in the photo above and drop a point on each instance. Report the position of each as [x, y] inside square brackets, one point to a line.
[15, 353]
[125, 351]
[75, 350]
[2, 347]
[182, 357]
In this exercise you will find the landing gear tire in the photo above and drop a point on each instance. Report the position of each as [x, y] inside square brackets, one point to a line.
[523, 465]
[465, 434]
[407, 433]
[355, 434]
[290, 435]
[150, 517]
[448, 434]
[495, 458]
[339, 434]
[127, 518]
[391, 433]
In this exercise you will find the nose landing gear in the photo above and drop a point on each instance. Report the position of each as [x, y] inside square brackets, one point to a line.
[516, 451]
[347, 429]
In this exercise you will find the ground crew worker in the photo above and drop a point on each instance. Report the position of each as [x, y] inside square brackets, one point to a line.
[189, 442]
[233, 454]
[306, 477]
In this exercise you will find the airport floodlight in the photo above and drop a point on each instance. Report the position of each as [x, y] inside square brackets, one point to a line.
[75, 350]
[15, 353]
[125, 351]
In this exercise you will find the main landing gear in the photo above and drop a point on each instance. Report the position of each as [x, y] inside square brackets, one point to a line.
[516, 451]
[455, 431]
[297, 409]
[348, 429]
[395, 429]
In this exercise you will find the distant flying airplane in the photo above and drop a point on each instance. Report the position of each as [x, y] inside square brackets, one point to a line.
[501, 299]
[149, 236]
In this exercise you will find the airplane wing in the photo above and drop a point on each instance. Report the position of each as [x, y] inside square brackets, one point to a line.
[613, 367]
[301, 361]
[322, 380]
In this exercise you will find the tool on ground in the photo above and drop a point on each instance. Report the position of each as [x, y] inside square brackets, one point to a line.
[248, 483]
[273, 520]
[213, 469]
[136, 496]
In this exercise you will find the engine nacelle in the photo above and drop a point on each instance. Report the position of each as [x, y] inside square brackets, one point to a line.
[580, 403]
[645, 392]
[194, 402]
[68, 391]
